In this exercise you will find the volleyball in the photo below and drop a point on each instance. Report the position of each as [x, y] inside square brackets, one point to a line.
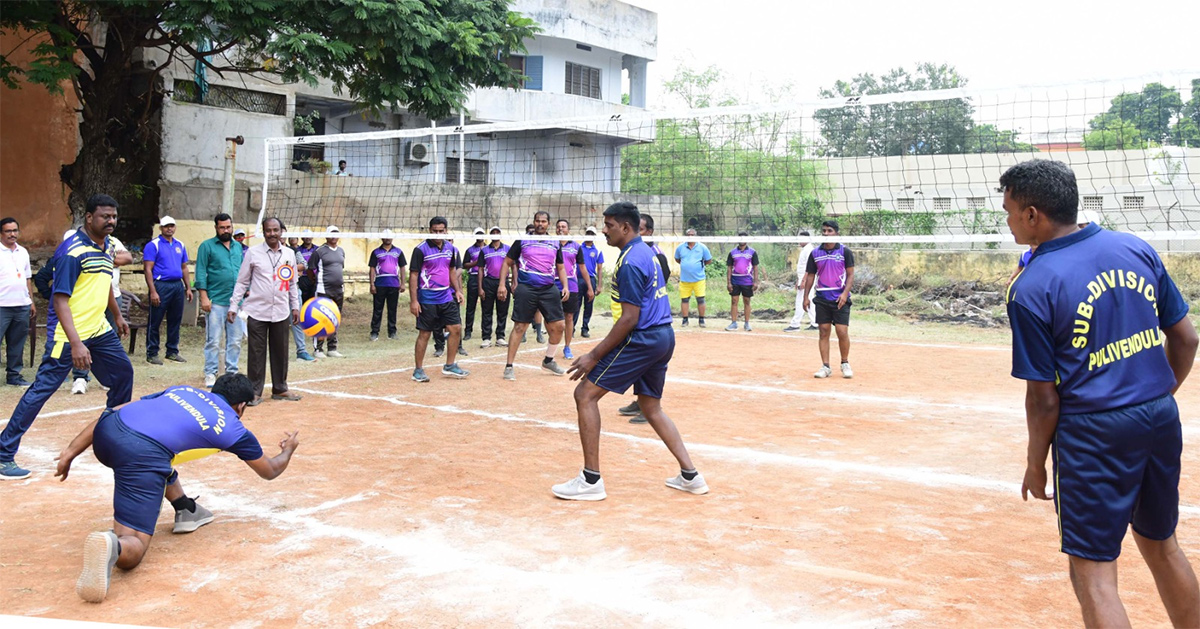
[320, 317]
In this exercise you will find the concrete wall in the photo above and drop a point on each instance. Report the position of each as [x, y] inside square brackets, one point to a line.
[557, 52]
[603, 23]
[38, 134]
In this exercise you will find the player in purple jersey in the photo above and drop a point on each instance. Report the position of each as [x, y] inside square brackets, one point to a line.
[386, 268]
[830, 268]
[308, 290]
[470, 262]
[493, 256]
[741, 279]
[141, 442]
[435, 286]
[578, 282]
[539, 263]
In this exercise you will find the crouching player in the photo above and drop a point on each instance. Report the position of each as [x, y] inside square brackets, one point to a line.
[141, 441]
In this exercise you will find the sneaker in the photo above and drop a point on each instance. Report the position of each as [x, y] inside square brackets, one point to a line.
[509, 373]
[501, 342]
[103, 388]
[587, 334]
[541, 337]
[188, 521]
[175, 358]
[525, 337]
[419, 375]
[639, 419]
[485, 344]
[684, 322]
[579, 489]
[19, 381]
[631, 409]
[100, 552]
[823, 372]
[79, 387]
[467, 336]
[792, 328]
[333, 353]
[455, 371]
[695, 486]
[748, 328]
[209, 380]
[437, 352]
[462, 351]
[553, 368]
[318, 354]
[567, 353]
[813, 326]
[255, 402]
[732, 327]
[9, 470]
[154, 360]
[305, 356]
[374, 337]
[391, 336]
[847, 372]
[702, 324]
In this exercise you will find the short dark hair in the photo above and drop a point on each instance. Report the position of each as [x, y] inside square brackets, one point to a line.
[529, 228]
[541, 213]
[1045, 184]
[805, 233]
[273, 218]
[99, 200]
[221, 217]
[649, 221]
[235, 388]
[563, 220]
[832, 224]
[341, 161]
[438, 220]
[625, 212]
[6, 220]
[743, 234]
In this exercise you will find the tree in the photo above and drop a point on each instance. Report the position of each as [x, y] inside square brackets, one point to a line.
[1151, 111]
[1186, 131]
[411, 53]
[986, 138]
[1110, 132]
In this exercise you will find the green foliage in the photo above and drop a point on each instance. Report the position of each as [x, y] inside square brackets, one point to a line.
[1112, 133]
[304, 123]
[1155, 116]
[1150, 111]
[1186, 131]
[888, 223]
[986, 138]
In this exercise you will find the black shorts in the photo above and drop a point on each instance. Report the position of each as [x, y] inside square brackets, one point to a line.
[572, 304]
[529, 300]
[828, 312]
[745, 290]
[438, 316]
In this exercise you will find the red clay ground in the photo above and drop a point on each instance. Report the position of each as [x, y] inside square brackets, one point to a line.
[887, 500]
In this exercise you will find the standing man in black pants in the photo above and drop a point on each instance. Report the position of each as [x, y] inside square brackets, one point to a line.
[471, 260]
[387, 264]
[492, 261]
[593, 258]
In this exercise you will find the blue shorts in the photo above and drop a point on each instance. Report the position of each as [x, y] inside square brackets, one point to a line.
[1115, 468]
[640, 361]
[141, 471]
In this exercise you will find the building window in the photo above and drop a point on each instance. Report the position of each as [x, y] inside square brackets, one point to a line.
[582, 80]
[516, 62]
[227, 97]
[1093, 204]
[872, 204]
[976, 203]
[477, 171]
[941, 204]
[906, 205]
[1133, 203]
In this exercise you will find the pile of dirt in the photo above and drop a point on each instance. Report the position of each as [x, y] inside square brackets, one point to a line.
[972, 303]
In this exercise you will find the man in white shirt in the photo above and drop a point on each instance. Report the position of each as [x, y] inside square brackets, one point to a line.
[341, 171]
[797, 323]
[16, 303]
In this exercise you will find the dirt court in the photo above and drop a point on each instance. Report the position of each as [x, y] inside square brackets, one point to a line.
[889, 500]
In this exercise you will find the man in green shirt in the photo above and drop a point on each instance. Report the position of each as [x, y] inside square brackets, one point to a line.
[217, 264]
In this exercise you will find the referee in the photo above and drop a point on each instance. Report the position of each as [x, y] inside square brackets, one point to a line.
[1091, 315]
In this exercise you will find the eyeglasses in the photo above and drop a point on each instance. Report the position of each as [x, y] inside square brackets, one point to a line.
[12, 231]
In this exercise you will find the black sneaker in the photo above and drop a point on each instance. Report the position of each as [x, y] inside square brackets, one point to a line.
[462, 351]
[374, 337]
[154, 360]
[437, 352]
[19, 381]
[175, 358]
[391, 336]
[639, 419]
[467, 336]
[541, 337]
[630, 409]
[684, 322]
[587, 334]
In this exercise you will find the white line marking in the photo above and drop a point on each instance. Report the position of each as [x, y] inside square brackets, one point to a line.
[800, 336]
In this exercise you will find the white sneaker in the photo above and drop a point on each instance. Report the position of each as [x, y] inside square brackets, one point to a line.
[79, 387]
[748, 328]
[333, 353]
[501, 342]
[823, 372]
[695, 486]
[847, 372]
[509, 373]
[485, 344]
[578, 489]
[209, 380]
[319, 354]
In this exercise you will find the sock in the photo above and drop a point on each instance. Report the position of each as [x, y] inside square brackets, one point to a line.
[685, 319]
[118, 547]
[826, 365]
[537, 327]
[184, 504]
[591, 477]
[688, 474]
[546, 360]
[551, 350]
[507, 365]
[701, 319]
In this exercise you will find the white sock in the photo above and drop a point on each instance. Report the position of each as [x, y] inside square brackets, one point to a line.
[551, 350]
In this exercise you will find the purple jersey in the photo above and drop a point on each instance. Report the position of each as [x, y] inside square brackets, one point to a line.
[302, 256]
[742, 263]
[434, 264]
[829, 265]
[493, 260]
[472, 254]
[536, 261]
[387, 263]
[571, 260]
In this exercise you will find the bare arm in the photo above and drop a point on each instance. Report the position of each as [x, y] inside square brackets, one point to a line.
[1041, 415]
[81, 442]
[562, 279]
[148, 271]
[505, 269]
[187, 283]
[1181, 349]
[845, 296]
[599, 277]
[806, 287]
[456, 284]
[414, 305]
[269, 468]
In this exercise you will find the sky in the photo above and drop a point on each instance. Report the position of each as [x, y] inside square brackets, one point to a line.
[811, 44]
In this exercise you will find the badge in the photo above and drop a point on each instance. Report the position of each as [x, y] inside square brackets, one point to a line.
[285, 274]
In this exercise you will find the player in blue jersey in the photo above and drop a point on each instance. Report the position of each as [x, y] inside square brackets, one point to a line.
[1091, 314]
[141, 441]
[635, 352]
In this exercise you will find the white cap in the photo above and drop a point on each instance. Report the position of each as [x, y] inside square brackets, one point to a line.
[386, 232]
[239, 232]
[332, 228]
[479, 231]
[495, 228]
[1086, 216]
[590, 230]
[67, 234]
[166, 220]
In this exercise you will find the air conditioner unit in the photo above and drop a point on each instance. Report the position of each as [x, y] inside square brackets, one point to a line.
[418, 153]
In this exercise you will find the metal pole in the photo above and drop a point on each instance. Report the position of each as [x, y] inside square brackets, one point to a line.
[462, 148]
[436, 166]
[231, 145]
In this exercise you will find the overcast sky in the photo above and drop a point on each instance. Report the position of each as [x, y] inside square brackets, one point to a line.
[995, 45]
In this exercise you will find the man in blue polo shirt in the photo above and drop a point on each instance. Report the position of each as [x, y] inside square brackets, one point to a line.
[692, 258]
[593, 259]
[141, 442]
[165, 265]
[1091, 314]
[635, 352]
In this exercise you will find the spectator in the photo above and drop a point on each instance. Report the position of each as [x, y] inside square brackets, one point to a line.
[797, 322]
[593, 258]
[240, 236]
[16, 299]
[493, 260]
[328, 263]
[387, 264]
[692, 257]
[471, 261]
[165, 265]
[341, 171]
[308, 290]
[218, 261]
[742, 276]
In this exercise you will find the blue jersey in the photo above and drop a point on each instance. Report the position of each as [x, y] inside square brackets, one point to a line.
[168, 258]
[1087, 313]
[639, 282]
[592, 256]
[191, 423]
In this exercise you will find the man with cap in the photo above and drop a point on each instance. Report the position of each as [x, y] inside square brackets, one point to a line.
[830, 271]
[308, 289]
[164, 262]
[493, 255]
[593, 259]
[239, 235]
[328, 264]
[386, 264]
[471, 261]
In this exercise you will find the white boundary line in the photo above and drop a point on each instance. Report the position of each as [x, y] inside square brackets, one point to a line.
[800, 336]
